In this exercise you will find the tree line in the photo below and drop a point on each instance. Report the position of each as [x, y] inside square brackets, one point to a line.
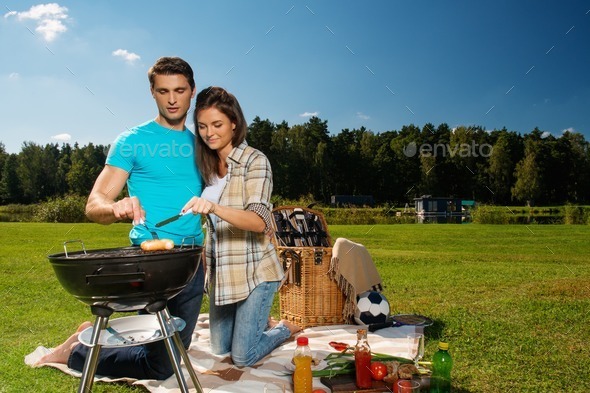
[498, 167]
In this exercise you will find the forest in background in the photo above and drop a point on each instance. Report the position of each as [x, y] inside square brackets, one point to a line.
[469, 162]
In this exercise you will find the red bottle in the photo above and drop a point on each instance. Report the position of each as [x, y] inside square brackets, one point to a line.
[362, 361]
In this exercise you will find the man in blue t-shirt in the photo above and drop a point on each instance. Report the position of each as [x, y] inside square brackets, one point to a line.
[162, 175]
[156, 161]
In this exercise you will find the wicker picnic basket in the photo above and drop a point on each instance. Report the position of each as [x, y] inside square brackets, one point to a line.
[309, 297]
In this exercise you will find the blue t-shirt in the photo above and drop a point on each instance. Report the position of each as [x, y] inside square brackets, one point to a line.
[163, 175]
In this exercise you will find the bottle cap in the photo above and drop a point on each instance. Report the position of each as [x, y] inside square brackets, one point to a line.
[302, 341]
[443, 345]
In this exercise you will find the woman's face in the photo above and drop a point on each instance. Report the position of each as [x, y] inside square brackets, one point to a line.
[216, 129]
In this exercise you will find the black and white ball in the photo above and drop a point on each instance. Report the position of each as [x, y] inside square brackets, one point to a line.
[371, 307]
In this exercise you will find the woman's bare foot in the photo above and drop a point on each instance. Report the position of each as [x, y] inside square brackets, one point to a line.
[272, 323]
[291, 326]
[61, 353]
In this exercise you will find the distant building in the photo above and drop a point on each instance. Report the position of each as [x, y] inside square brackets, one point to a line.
[441, 209]
[352, 200]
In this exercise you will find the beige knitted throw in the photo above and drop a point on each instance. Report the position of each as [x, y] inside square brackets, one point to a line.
[354, 272]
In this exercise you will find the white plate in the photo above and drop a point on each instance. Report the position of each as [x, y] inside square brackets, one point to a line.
[320, 364]
[128, 331]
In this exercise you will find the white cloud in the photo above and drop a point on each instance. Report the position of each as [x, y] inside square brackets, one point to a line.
[50, 28]
[309, 114]
[14, 75]
[362, 116]
[62, 137]
[49, 18]
[569, 129]
[129, 57]
[545, 134]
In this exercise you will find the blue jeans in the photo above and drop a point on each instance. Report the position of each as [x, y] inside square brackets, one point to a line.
[240, 328]
[149, 361]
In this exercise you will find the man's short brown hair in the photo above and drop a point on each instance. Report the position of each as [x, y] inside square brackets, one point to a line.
[171, 66]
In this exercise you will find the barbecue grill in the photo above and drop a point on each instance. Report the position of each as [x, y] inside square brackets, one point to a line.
[124, 280]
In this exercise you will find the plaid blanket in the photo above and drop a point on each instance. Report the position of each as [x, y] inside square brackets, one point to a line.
[217, 374]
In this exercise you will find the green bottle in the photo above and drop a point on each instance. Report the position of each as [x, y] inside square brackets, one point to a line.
[442, 363]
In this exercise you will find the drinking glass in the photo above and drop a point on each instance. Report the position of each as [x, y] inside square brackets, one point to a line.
[274, 388]
[416, 347]
[408, 386]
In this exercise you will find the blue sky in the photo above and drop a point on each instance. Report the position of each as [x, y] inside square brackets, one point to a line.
[76, 71]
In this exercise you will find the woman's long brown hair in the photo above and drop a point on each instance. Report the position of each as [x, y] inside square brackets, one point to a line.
[226, 103]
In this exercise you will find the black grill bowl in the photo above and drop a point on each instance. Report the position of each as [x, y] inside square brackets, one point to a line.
[128, 278]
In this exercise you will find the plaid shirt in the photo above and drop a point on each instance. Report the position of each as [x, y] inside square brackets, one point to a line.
[243, 259]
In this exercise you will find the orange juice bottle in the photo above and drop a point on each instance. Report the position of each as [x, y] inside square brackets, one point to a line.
[302, 377]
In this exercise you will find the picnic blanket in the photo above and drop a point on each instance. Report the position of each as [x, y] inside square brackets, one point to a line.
[218, 375]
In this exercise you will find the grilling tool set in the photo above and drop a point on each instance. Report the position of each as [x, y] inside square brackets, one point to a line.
[299, 228]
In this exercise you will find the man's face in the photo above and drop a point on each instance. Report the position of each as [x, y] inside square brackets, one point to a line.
[173, 96]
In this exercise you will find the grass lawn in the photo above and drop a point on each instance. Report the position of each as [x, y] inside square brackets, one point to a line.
[513, 301]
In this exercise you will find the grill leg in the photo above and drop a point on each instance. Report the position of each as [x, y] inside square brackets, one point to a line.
[173, 342]
[187, 362]
[185, 358]
[92, 358]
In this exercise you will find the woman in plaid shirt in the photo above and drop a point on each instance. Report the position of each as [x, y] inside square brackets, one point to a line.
[243, 270]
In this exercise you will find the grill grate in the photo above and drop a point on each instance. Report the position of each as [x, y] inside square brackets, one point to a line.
[123, 253]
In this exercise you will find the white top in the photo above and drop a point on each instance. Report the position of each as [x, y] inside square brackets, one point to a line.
[212, 194]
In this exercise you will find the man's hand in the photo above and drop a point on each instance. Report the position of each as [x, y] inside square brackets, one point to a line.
[129, 208]
[102, 207]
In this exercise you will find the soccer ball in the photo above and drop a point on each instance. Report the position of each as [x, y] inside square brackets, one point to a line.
[371, 307]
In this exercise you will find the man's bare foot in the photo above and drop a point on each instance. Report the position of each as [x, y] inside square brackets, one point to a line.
[83, 326]
[61, 353]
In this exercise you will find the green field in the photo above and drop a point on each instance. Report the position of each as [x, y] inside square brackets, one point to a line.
[512, 300]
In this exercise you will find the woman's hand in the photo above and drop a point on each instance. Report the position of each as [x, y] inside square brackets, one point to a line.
[243, 219]
[199, 206]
